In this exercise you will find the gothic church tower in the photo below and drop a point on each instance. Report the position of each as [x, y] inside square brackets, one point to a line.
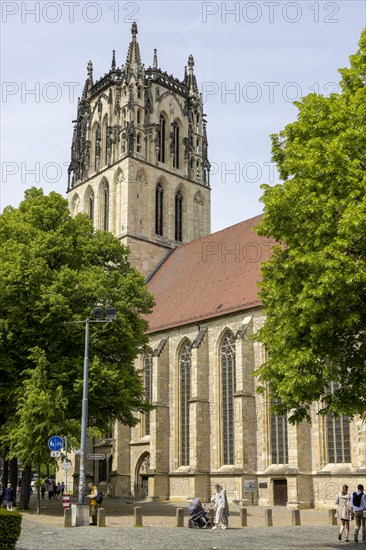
[139, 165]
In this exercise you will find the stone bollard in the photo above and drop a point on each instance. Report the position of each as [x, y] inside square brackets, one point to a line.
[67, 517]
[332, 517]
[244, 517]
[268, 517]
[138, 516]
[101, 517]
[295, 514]
[179, 514]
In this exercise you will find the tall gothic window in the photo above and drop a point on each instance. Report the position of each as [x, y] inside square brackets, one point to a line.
[105, 139]
[179, 216]
[159, 202]
[162, 126]
[338, 435]
[138, 143]
[90, 205]
[97, 147]
[176, 145]
[279, 438]
[105, 207]
[102, 470]
[184, 395]
[148, 387]
[227, 358]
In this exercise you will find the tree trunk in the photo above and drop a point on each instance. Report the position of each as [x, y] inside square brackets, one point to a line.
[5, 473]
[24, 492]
[38, 485]
[13, 474]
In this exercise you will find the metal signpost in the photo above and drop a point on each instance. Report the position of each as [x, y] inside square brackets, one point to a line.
[97, 317]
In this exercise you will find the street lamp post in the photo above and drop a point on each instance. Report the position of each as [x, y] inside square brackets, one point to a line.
[98, 314]
[84, 416]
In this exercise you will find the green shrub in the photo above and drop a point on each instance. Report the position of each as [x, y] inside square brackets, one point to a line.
[10, 527]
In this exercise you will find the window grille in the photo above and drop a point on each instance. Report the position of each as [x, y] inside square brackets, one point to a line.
[159, 196]
[185, 391]
[279, 438]
[179, 216]
[227, 355]
[148, 387]
[161, 155]
[338, 434]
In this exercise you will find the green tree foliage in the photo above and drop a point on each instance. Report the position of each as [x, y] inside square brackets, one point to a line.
[54, 269]
[314, 285]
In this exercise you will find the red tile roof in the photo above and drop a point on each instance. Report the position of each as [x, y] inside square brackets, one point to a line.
[209, 277]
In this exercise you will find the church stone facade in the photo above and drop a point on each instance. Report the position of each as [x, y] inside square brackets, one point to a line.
[140, 169]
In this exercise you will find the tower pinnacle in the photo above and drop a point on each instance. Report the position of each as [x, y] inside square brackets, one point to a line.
[155, 61]
[133, 54]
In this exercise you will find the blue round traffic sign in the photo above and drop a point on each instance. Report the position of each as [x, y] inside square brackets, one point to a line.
[55, 443]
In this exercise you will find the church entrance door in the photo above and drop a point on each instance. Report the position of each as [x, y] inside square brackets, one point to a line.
[280, 492]
[142, 478]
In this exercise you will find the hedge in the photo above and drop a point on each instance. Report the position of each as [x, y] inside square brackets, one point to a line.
[10, 527]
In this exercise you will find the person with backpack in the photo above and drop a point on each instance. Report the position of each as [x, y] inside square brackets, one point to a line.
[358, 505]
[96, 499]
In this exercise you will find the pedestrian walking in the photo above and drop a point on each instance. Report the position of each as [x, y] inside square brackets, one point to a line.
[358, 504]
[344, 511]
[62, 488]
[221, 507]
[9, 498]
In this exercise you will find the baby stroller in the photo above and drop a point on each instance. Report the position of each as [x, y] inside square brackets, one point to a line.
[199, 516]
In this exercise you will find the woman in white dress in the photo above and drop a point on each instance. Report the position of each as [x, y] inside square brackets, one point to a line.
[344, 511]
[221, 507]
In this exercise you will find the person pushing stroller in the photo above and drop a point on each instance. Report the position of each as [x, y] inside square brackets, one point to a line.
[199, 516]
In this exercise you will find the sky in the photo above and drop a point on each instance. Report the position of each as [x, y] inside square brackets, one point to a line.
[252, 60]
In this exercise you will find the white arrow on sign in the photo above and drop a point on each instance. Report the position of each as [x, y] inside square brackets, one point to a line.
[96, 457]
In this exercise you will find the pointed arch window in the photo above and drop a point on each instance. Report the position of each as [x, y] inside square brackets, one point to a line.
[138, 143]
[102, 470]
[185, 363]
[227, 358]
[90, 206]
[338, 434]
[176, 142]
[105, 207]
[138, 117]
[162, 137]
[197, 123]
[279, 438]
[148, 388]
[97, 139]
[159, 203]
[105, 139]
[179, 216]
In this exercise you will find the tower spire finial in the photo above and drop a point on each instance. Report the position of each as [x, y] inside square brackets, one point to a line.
[113, 66]
[133, 54]
[155, 61]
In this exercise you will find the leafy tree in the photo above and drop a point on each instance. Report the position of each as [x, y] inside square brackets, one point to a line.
[314, 285]
[56, 269]
[40, 411]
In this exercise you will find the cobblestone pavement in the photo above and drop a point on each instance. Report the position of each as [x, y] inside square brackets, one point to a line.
[46, 531]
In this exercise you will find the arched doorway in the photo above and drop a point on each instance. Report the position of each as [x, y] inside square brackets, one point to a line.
[142, 477]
